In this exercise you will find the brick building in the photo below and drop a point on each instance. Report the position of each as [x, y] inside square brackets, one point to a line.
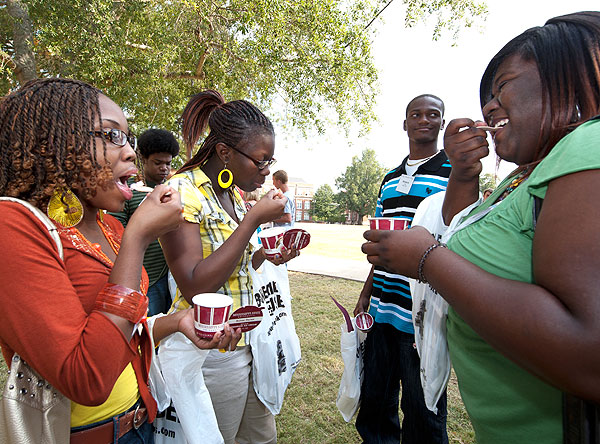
[303, 195]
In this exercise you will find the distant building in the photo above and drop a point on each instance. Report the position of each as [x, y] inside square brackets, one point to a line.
[303, 195]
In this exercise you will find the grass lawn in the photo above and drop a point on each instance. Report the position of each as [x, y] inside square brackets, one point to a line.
[334, 240]
[309, 414]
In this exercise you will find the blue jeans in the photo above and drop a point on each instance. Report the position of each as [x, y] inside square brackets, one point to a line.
[143, 435]
[390, 359]
[159, 298]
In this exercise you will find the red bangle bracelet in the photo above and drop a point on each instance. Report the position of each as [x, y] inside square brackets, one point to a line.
[123, 302]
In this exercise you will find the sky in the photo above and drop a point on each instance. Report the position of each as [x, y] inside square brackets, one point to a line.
[410, 63]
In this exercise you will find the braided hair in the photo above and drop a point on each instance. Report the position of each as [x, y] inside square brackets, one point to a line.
[229, 122]
[45, 141]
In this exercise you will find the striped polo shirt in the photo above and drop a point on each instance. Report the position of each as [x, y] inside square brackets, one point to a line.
[201, 206]
[391, 301]
[154, 260]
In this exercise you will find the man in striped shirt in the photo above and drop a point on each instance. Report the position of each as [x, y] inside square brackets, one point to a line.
[390, 355]
[157, 148]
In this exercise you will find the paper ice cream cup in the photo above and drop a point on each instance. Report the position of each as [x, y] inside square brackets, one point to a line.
[272, 241]
[388, 223]
[211, 311]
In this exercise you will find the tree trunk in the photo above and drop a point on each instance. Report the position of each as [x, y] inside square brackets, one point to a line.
[24, 58]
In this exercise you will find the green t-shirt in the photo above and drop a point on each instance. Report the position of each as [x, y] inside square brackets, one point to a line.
[506, 403]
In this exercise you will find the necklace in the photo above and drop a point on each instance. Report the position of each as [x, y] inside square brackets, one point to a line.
[81, 243]
[522, 177]
[419, 161]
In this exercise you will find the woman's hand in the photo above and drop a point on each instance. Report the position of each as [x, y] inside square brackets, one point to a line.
[270, 207]
[226, 339]
[397, 251]
[286, 256]
[465, 146]
[159, 213]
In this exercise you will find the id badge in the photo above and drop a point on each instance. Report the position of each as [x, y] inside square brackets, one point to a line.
[405, 183]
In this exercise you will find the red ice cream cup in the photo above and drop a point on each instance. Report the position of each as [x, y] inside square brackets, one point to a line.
[272, 241]
[211, 311]
[388, 223]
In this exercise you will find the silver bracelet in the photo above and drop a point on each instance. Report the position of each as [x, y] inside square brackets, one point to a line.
[420, 276]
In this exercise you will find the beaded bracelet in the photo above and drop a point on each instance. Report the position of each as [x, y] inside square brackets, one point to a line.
[421, 277]
[123, 302]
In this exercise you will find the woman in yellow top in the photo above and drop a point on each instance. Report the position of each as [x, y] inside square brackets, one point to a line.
[210, 251]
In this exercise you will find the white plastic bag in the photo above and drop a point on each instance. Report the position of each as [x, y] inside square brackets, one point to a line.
[181, 364]
[275, 344]
[156, 382]
[167, 428]
[430, 310]
[352, 345]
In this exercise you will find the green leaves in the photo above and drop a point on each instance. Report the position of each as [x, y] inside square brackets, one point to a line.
[359, 185]
[324, 206]
[304, 62]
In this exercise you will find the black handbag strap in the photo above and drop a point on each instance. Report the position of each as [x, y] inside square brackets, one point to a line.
[581, 421]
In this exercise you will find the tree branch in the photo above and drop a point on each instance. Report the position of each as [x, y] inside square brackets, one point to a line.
[6, 59]
[199, 67]
[25, 68]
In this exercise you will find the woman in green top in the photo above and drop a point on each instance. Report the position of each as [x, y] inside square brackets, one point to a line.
[523, 325]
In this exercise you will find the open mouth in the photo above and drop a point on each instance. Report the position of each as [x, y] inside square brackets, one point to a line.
[498, 126]
[501, 123]
[124, 187]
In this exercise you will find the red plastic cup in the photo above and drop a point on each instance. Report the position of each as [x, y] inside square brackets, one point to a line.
[211, 311]
[272, 241]
[388, 223]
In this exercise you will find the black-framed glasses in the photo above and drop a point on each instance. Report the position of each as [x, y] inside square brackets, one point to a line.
[260, 164]
[116, 136]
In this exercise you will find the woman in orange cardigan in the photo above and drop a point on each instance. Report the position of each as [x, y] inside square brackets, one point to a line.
[80, 321]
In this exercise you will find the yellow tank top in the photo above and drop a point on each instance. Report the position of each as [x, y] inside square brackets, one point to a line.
[124, 394]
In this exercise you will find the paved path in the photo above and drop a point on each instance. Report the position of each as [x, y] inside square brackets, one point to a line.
[356, 269]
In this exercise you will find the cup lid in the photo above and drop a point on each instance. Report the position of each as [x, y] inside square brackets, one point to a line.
[364, 321]
[297, 238]
[246, 318]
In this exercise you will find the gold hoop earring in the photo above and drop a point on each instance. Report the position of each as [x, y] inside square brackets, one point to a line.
[222, 183]
[65, 208]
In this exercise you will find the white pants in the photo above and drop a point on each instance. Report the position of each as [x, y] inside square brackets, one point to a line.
[241, 416]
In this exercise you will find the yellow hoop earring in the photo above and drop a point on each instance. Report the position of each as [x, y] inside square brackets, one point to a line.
[222, 183]
[65, 208]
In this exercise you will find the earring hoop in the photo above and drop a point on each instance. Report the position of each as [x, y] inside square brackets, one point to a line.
[225, 184]
[65, 208]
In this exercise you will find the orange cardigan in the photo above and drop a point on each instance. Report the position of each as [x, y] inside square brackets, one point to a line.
[47, 316]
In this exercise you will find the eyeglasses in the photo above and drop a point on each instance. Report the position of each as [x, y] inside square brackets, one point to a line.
[116, 136]
[260, 164]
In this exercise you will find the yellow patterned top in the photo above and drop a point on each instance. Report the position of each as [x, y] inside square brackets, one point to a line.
[201, 206]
